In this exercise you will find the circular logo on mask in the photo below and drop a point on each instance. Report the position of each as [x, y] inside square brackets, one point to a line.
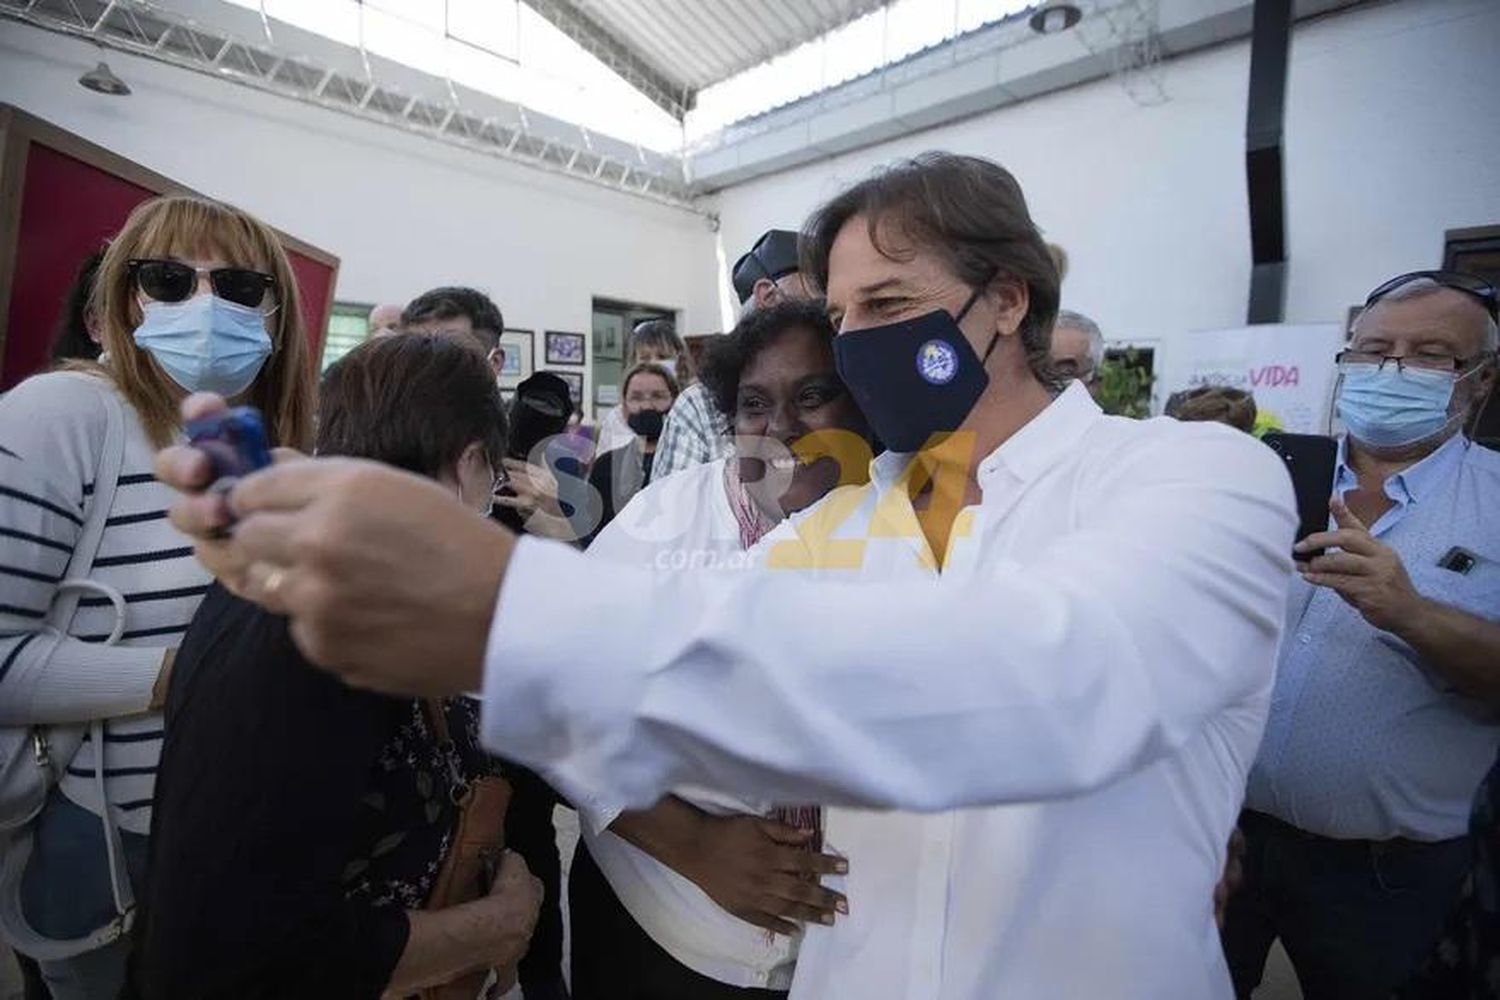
[937, 362]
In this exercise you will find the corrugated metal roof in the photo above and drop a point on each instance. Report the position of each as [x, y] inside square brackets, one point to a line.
[697, 43]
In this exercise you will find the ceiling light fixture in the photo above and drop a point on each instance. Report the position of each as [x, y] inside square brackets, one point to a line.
[1055, 17]
[102, 80]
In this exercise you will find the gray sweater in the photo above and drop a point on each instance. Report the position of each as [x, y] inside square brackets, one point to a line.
[51, 435]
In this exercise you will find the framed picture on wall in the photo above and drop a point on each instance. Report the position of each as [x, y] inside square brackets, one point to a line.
[519, 357]
[606, 395]
[575, 386]
[609, 335]
[564, 348]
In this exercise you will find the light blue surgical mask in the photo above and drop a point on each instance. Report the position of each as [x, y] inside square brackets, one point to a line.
[1387, 407]
[205, 343]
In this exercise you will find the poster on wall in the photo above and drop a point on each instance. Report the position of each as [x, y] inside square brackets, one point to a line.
[1287, 367]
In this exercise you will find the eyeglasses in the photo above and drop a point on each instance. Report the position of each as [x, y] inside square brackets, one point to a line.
[641, 398]
[1444, 363]
[1068, 368]
[174, 281]
[1467, 283]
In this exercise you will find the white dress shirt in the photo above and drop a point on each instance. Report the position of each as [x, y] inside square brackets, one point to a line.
[682, 523]
[1085, 682]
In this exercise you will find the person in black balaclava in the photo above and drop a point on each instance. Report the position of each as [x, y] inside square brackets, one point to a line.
[539, 411]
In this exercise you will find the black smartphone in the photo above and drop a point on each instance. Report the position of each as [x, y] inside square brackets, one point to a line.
[1310, 460]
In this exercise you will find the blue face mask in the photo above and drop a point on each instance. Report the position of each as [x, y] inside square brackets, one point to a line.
[205, 343]
[1390, 408]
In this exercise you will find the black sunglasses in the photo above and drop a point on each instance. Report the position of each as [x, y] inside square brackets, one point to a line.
[1466, 283]
[174, 281]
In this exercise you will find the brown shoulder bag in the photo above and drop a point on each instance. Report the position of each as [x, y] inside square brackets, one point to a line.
[473, 855]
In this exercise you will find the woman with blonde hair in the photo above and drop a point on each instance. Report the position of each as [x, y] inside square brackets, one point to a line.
[96, 586]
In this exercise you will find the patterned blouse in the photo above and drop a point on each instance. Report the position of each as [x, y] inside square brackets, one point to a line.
[297, 820]
[408, 812]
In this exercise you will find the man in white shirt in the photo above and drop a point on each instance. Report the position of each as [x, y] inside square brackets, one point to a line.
[1058, 626]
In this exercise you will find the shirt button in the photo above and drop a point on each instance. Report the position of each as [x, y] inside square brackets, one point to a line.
[1304, 638]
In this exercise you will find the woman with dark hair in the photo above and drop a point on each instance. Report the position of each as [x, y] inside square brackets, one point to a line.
[704, 896]
[77, 337]
[301, 825]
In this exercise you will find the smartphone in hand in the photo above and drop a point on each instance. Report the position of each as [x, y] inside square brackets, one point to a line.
[1310, 461]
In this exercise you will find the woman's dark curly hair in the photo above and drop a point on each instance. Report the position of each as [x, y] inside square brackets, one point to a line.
[727, 357]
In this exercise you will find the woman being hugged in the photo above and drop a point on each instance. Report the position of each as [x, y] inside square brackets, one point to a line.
[192, 295]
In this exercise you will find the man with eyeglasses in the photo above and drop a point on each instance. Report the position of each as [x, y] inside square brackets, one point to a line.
[1383, 718]
[1077, 349]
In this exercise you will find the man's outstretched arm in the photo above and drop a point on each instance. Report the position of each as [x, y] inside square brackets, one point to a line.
[1104, 653]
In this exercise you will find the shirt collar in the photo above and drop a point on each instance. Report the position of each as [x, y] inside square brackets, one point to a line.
[1027, 453]
[1416, 480]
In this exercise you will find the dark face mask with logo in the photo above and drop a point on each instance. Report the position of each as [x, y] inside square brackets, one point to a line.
[915, 378]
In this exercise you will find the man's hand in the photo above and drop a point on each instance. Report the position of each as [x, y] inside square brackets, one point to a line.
[205, 517]
[389, 580]
[761, 871]
[1366, 573]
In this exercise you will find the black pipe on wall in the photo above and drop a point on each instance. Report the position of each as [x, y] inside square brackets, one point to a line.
[1265, 169]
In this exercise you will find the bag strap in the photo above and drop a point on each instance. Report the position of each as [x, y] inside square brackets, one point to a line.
[65, 607]
[18, 848]
[106, 481]
[437, 718]
[435, 711]
[119, 875]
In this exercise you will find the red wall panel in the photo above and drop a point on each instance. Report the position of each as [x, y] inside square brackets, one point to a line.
[68, 210]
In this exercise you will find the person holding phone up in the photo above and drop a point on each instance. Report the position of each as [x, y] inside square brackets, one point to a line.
[1383, 718]
[1025, 667]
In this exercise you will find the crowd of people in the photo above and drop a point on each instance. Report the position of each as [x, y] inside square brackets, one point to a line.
[875, 659]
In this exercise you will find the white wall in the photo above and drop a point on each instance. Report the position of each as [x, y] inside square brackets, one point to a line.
[1391, 138]
[402, 212]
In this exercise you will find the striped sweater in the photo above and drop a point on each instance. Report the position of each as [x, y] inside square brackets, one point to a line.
[52, 431]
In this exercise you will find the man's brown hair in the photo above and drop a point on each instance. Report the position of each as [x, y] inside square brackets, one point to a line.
[969, 210]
